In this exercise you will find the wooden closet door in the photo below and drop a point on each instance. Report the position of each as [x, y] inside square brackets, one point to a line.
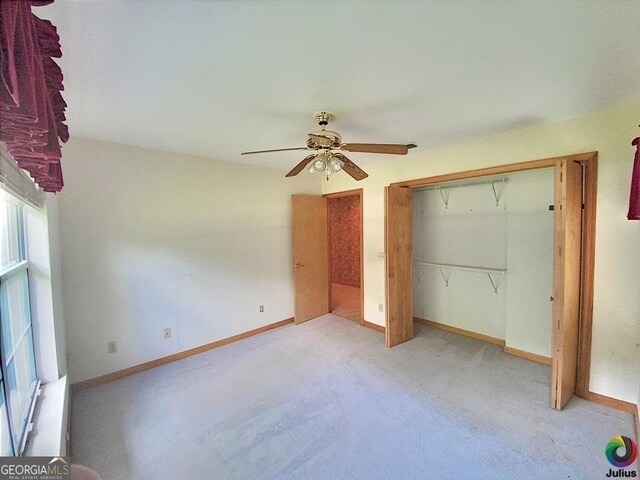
[398, 243]
[310, 257]
[566, 280]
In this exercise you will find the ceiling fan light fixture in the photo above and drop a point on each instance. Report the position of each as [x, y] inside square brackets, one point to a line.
[318, 166]
[322, 163]
[335, 165]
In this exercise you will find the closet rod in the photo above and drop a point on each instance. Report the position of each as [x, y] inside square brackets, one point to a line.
[440, 186]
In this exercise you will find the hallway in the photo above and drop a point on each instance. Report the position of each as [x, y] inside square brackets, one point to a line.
[345, 301]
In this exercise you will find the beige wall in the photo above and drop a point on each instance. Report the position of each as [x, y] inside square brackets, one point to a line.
[616, 328]
[153, 240]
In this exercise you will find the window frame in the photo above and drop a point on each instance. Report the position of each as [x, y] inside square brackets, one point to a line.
[18, 434]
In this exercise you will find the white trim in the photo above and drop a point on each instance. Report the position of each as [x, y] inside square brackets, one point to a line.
[41, 295]
[9, 358]
[48, 438]
[12, 270]
[17, 182]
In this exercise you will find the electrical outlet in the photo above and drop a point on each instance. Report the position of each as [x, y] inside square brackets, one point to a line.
[261, 308]
[167, 333]
[112, 347]
[381, 307]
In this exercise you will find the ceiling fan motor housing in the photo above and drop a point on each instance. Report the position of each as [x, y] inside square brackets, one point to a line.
[324, 139]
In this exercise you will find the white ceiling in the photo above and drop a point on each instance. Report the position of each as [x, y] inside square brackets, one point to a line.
[214, 78]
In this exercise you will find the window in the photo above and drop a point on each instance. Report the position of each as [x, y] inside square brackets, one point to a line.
[18, 379]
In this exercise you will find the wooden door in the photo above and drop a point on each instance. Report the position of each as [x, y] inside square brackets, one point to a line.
[310, 257]
[566, 280]
[398, 246]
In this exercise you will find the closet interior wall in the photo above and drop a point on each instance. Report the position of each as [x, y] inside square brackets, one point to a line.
[483, 257]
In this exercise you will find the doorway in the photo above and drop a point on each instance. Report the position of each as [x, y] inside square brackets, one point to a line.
[344, 231]
[314, 292]
[573, 258]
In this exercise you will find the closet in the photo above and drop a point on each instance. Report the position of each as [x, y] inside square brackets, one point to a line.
[509, 235]
[482, 259]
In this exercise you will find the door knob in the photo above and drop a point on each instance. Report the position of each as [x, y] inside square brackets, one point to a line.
[298, 265]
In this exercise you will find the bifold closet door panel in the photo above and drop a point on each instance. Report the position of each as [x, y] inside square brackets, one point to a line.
[566, 280]
[398, 249]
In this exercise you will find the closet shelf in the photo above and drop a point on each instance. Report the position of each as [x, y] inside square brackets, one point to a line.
[465, 268]
[489, 272]
[441, 187]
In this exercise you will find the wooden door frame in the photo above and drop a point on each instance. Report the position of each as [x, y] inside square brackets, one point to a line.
[358, 192]
[589, 160]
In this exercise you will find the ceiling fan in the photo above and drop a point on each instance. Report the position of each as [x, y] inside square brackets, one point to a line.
[327, 147]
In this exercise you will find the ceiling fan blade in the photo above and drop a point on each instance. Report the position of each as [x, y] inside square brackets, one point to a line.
[298, 168]
[276, 150]
[390, 148]
[351, 168]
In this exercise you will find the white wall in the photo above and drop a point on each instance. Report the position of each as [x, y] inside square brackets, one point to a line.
[472, 229]
[530, 261]
[152, 240]
[469, 230]
[616, 329]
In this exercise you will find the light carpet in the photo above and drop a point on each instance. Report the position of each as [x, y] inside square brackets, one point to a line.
[327, 400]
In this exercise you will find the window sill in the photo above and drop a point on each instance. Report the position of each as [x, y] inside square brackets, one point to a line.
[48, 438]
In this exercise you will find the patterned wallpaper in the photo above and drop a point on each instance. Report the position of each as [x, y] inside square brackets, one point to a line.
[344, 239]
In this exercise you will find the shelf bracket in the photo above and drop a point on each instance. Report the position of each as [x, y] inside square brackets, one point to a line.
[444, 277]
[493, 283]
[445, 198]
[495, 195]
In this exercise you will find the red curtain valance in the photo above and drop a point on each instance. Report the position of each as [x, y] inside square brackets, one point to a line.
[634, 197]
[31, 105]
